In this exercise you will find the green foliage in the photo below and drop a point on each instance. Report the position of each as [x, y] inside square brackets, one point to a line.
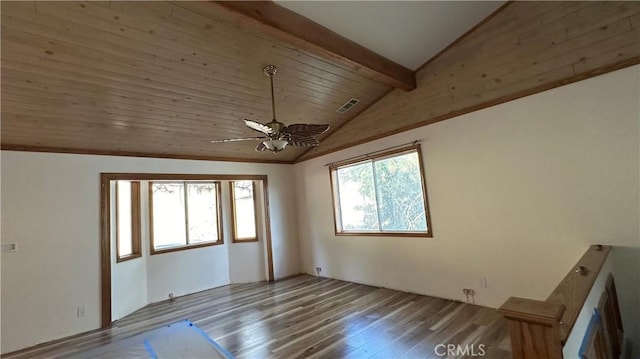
[362, 176]
[400, 198]
[391, 192]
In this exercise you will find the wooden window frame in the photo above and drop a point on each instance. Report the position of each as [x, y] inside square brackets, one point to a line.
[232, 197]
[136, 235]
[379, 155]
[154, 251]
[105, 223]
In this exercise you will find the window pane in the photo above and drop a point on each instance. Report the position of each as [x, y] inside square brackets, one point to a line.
[168, 215]
[124, 218]
[382, 194]
[203, 212]
[244, 207]
[400, 197]
[357, 198]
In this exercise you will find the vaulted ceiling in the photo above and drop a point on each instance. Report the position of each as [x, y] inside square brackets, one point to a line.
[163, 79]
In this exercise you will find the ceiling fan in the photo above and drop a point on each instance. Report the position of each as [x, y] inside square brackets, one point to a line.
[276, 136]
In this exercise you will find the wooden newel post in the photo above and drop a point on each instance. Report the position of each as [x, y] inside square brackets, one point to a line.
[534, 327]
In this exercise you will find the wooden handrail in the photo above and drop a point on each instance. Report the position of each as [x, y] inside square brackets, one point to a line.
[573, 290]
[539, 329]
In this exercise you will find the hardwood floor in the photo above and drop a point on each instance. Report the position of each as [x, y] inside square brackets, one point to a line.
[311, 317]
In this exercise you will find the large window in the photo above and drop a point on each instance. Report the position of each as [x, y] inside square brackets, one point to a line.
[127, 205]
[184, 215]
[382, 195]
[243, 208]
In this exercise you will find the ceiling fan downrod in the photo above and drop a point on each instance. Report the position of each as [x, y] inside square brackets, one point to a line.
[276, 136]
[270, 71]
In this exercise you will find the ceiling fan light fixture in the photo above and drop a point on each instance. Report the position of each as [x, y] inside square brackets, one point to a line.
[275, 146]
[276, 136]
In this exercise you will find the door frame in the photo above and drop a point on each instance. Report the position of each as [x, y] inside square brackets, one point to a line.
[105, 226]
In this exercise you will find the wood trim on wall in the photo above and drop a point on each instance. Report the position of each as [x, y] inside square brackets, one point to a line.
[136, 235]
[423, 178]
[234, 219]
[284, 24]
[113, 176]
[136, 245]
[267, 226]
[116, 200]
[88, 151]
[105, 250]
[105, 227]
[188, 245]
[532, 91]
[378, 155]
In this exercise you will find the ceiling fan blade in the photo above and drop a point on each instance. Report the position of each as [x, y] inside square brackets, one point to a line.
[303, 129]
[261, 147]
[239, 139]
[303, 141]
[257, 126]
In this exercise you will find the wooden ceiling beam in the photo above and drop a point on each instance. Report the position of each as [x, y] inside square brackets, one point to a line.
[286, 25]
[521, 49]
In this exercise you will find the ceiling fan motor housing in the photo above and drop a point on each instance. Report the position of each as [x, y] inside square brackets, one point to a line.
[276, 135]
[276, 126]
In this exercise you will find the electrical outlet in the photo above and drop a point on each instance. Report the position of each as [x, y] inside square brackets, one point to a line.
[483, 282]
[318, 270]
[82, 311]
[468, 291]
[171, 297]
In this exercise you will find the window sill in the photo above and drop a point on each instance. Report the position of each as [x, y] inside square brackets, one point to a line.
[245, 240]
[386, 234]
[128, 258]
[184, 248]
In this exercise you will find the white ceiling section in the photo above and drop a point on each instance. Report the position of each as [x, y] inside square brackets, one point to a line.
[407, 32]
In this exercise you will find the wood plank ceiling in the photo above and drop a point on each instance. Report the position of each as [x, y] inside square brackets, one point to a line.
[524, 48]
[157, 79]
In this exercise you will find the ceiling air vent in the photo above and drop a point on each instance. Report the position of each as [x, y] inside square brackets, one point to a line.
[348, 105]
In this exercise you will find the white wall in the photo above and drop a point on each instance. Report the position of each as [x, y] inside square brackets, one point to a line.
[247, 261]
[517, 193]
[128, 279]
[185, 272]
[50, 207]
[128, 286]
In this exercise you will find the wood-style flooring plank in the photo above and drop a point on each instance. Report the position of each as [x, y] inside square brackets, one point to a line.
[309, 317]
